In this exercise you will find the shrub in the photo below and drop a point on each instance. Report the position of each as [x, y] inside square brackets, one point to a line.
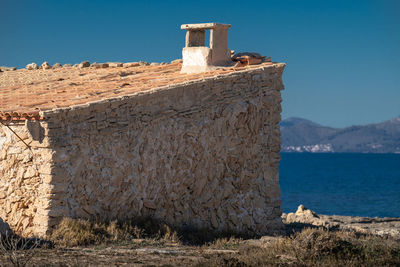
[71, 232]
[18, 250]
[77, 232]
[317, 247]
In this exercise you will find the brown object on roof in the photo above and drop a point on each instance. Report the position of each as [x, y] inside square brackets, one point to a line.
[23, 93]
[249, 58]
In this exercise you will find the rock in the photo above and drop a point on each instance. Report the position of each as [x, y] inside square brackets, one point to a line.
[4, 228]
[303, 215]
[385, 227]
[4, 68]
[149, 204]
[76, 65]
[144, 63]
[303, 211]
[67, 65]
[84, 64]
[289, 218]
[45, 66]
[301, 208]
[131, 64]
[99, 65]
[115, 64]
[306, 216]
[32, 66]
[154, 64]
[95, 65]
[177, 61]
[57, 65]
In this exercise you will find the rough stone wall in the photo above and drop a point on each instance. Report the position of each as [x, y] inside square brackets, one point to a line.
[204, 153]
[25, 178]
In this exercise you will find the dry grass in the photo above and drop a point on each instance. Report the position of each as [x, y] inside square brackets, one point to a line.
[18, 250]
[310, 247]
[148, 241]
[316, 247]
[78, 232]
[224, 243]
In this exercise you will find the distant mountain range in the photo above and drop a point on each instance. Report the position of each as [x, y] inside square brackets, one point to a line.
[301, 135]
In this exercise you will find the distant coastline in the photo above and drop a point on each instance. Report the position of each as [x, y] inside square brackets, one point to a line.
[304, 136]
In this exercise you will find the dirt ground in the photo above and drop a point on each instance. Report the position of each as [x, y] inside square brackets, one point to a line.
[137, 253]
[153, 252]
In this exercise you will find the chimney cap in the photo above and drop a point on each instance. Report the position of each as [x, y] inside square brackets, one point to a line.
[205, 26]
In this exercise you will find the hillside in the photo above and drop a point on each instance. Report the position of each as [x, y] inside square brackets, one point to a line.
[300, 135]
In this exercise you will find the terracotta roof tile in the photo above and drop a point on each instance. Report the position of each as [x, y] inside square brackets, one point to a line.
[23, 93]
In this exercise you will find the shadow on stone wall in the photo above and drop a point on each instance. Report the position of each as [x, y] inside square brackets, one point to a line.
[16, 250]
[36, 130]
[203, 154]
[4, 228]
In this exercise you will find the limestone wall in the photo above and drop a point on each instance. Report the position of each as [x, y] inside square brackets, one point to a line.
[204, 153]
[24, 178]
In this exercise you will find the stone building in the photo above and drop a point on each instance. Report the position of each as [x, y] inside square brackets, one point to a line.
[196, 148]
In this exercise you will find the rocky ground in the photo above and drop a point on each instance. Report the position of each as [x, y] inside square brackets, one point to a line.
[384, 227]
[151, 252]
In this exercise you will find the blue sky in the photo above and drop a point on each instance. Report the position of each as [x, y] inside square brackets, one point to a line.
[343, 59]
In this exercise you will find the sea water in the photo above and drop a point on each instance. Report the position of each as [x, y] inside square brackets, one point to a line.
[341, 184]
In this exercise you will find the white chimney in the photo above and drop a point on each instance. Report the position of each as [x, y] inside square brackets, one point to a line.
[199, 58]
